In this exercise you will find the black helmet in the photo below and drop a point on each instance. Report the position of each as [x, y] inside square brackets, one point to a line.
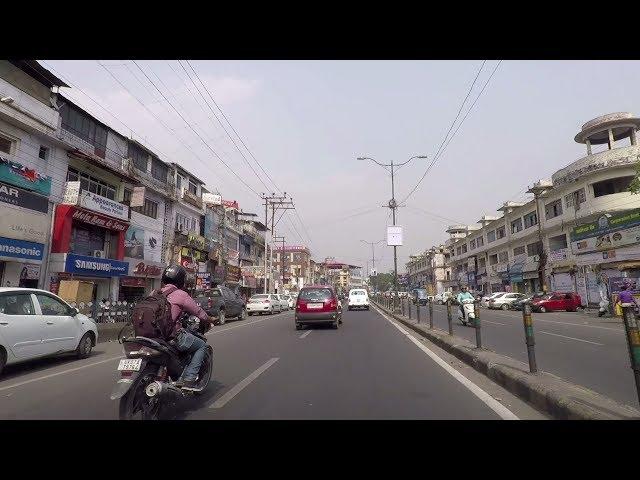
[174, 275]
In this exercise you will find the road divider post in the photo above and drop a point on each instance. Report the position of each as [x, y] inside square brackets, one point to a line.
[476, 324]
[633, 342]
[449, 319]
[418, 312]
[409, 307]
[401, 306]
[431, 314]
[527, 320]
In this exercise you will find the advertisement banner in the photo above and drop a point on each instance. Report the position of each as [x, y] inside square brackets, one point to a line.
[218, 274]
[211, 199]
[142, 269]
[152, 246]
[21, 249]
[71, 193]
[99, 220]
[22, 198]
[17, 174]
[622, 254]
[232, 254]
[30, 272]
[95, 267]
[134, 243]
[616, 283]
[607, 241]
[230, 204]
[606, 224]
[233, 273]
[562, 282]
[97, 203]
[23, 225]
[558, 255]
[137, 197]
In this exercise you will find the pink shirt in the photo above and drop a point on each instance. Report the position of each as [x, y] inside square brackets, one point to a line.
[180, 302]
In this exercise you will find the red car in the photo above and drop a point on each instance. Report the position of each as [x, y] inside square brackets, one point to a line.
[557, 301]
[318, 304]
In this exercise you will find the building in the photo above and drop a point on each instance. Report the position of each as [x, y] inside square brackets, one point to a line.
[576, 233]
[297, 266]
[427, 270]
[341, 276]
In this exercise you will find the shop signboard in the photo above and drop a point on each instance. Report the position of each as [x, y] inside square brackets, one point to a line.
[12, 248]
[230, 204]
[616, 283]
[562, 282]
[132, 282]
[137, 197]
[233, 273]
[232, 254]
[610, 231]
[30, 272]
[188, 264]
[71, 193]
[24, 225]
[17, 174]
[95, 267]
[142, 244]
[145, 270]
[211, 199]
[22, 198]
[558, 255]
[98, 219]
[97, 203]
[218, 274]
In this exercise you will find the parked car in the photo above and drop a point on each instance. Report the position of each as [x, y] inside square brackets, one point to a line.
[485, 300]
[290, 301]
[556, 301]
[35, 323]
[223, 303]
[318, 305]
[262, 303]
[504, 302]
[518, 304]
[358, 299]
[284, 302]
[442, 298]
[419, 296]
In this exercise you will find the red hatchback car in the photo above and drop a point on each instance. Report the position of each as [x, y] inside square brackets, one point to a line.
[318, 304]
[556, 301]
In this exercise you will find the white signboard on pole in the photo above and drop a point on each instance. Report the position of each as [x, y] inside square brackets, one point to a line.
[71, 192]
[394, 236]
[137, 197]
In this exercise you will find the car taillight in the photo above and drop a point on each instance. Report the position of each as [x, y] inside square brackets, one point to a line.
[332, 304]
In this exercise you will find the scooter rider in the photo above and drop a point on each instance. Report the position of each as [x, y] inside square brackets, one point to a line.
[463, 295]
[173, 279]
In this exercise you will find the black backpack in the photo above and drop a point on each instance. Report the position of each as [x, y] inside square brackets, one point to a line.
[151, 317]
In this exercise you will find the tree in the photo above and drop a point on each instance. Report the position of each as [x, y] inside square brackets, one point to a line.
[382, 281]
[634, 186]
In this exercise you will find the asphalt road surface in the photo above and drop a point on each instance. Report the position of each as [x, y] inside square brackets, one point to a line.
[578, 347]
[371, 368]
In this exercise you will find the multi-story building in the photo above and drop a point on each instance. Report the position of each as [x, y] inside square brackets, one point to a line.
[576, 233]
[297, 265]
[427, 270]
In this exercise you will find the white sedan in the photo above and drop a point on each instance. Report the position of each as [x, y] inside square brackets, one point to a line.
[487, 298]
[36, 323]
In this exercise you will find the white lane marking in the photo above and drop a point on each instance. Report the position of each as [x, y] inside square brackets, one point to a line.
[213, 332]
[305, 334]
[578, 325]
[488, 400]
[59, 373]
[571, 338]
[489, 321]
[224, 399]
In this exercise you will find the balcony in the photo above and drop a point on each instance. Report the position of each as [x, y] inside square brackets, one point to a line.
[26, 110]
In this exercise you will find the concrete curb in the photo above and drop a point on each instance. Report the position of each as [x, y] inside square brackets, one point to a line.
[551, 394]
[108, 332]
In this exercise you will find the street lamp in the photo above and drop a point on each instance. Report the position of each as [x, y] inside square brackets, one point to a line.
[393, 205]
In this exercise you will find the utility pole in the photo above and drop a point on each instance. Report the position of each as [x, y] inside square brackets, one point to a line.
[276, 203]
[393, 205]
[278, 239]
[538, 190]
[373, 252]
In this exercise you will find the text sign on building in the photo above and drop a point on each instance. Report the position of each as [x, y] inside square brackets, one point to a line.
[71, 193]
[21, 249]
[137, 197]
[211, 199]
[17, 174]
[22, 198]
[99, 220]
[103, 205]
[95, 267]
[394, 236]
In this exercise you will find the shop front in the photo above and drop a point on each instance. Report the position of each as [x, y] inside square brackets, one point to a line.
[142, 277]
[193, 253]
[502, 272]
[516, 277]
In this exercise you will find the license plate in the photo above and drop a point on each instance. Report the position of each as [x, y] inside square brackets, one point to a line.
[130, 364]
[315, 305]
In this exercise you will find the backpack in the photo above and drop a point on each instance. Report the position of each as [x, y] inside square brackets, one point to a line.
[151, 317]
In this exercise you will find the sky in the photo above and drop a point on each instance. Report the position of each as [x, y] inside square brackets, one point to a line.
[307, 122]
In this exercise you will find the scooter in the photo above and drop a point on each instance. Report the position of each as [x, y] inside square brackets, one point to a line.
[469, 312]
[604, 308]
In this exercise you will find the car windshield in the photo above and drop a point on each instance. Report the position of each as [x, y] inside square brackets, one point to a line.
[259, 297]
[315, 294]
[357, 292]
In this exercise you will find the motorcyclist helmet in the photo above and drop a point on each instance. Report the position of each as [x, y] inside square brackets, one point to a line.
[174, 275]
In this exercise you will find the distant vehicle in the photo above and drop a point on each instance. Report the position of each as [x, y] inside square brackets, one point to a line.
[290, 301]
[419, 296]
[518, 304]
[284, 301]
[262, 303]
[35, 323]
[504, 302]
[222, 302]
[485, 300]
[358, 299]
[318, 305]
[442, 298]
[557, 301]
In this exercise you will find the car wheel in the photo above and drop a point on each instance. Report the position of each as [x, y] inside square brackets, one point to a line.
[542, 310]
[85, 346]
[249, 313]
[3, 359]
[221, 317]
[505, 307]
[243, 314]
[298, 326]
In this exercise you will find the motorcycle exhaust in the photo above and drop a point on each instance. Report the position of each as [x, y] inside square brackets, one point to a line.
[162, 389]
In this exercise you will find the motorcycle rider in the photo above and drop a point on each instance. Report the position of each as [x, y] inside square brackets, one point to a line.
[625, 297]
[463, 295]
[173, 280]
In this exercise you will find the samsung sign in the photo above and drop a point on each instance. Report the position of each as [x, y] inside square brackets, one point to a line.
[95, 267]
[21, 249]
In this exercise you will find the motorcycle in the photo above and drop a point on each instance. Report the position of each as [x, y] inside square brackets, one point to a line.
[146, 387]
[604, 308]
[469, 312]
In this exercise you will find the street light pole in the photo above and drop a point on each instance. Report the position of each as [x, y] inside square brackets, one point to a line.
[393, 205]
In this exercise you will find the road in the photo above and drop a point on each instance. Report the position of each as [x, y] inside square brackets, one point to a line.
[371, 368]
[578, 347]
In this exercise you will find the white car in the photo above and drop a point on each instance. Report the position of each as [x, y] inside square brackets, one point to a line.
[442, 298]
[263, 303]
[36, 323]
[358, 298]
[291, 301]
[487, 298]
[284, 302]
[504, 301]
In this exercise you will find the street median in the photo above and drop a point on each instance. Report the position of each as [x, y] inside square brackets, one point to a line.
[551, 394]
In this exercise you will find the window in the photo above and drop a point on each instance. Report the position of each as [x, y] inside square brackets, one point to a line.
[85, 239]
[516, 225]
[85, 127]
[530, 219]
[493, 259]
[43, 153]
[578, 196]
[503, 257]
[553, 209]
[193, 188]
[464, 248]
[150, 208]
[500, 232]
[138, 156]
[159, 170]
[6, 145]
[182, 222]
[480, 242]
[482, 263]
[459, 250]
[611, 186]
[126, 196]
[558, 242]
[491, 236]
[518, 251]
[91, 184]
[472, 244]
[533, 249]
[51, 305]
[16, 304]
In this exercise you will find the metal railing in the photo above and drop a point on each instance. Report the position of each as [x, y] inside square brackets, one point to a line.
[107, 312]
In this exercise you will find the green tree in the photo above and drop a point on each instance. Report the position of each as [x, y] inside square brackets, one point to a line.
[634, 187]
[382, 281]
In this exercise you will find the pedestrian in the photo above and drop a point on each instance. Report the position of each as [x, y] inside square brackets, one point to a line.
[626, 298]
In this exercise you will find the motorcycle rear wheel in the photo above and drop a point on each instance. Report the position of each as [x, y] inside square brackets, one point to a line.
[135, 404]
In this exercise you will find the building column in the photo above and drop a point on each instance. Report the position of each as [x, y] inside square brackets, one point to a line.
[588, 143]
[611, 140]
[634, 140]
